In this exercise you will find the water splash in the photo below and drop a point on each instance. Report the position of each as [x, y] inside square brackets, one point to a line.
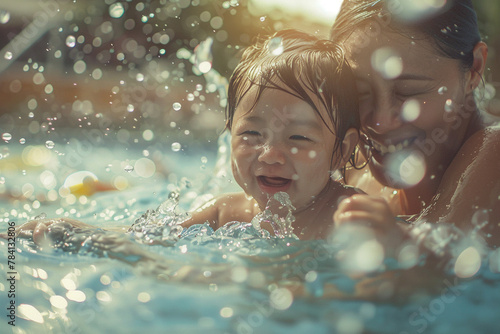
[203, 56]
[282, 226]
[203, 64]
[161, 226]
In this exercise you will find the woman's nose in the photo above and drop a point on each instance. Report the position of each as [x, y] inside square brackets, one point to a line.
[384, 117]
[272, 154]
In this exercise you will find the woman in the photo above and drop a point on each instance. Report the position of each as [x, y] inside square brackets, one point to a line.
[423, 132]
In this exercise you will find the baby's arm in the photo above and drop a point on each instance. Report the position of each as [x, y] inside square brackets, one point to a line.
[207, 213]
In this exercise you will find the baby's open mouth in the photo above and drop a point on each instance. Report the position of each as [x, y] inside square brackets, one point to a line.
[277, 182]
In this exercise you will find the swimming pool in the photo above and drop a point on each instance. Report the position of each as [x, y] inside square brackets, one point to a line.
[234, 280]
[135, 127]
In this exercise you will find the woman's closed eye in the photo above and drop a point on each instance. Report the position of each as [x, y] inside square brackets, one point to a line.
[250, 133]
[299, 137]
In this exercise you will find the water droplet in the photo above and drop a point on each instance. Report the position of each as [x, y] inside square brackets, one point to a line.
[2, 180]
[116, 10]
[79, 67]
[387, 62]
[410, 110]
[275, 46]
[49, 89]
[199, 87]
[205, 67]
[294, 150]
[442, 90]
[448, 106]
[71, 41]
[176, 147]
[468, 263]
[190, 97]
[416, 11]
[22, 141]
[139, 77]
[204, 160]
[312, 154]
[49, 144]
[4, 16]
[6, 136]
[130, 108]
[8, 55]
[129, 168]
[177, 106]
[262, 18]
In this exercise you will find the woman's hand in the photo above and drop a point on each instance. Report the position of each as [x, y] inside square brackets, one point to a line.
[372, 212]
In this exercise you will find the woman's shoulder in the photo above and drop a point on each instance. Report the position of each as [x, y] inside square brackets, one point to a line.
[483, 142]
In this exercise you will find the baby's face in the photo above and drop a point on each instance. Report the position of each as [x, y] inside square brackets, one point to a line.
[280, 145]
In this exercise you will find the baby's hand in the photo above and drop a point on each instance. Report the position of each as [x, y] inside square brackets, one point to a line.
[37, 229]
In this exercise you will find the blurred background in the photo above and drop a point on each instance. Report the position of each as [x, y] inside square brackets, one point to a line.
[102, 95]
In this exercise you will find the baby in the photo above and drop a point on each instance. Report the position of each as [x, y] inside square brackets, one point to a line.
[293, 117]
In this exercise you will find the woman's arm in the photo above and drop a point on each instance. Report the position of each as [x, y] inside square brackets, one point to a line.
[470, 189]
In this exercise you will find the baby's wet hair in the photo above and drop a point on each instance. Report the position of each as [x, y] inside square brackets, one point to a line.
[304, 66]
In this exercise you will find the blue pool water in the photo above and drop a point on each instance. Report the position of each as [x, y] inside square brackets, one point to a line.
[233, 280]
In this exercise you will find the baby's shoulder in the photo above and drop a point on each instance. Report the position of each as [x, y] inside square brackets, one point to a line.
[235, 207]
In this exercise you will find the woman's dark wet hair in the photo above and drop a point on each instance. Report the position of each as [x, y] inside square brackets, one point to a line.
[303, 66]
[453, 28]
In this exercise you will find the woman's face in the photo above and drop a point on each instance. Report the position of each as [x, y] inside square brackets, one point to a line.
[413, 108]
